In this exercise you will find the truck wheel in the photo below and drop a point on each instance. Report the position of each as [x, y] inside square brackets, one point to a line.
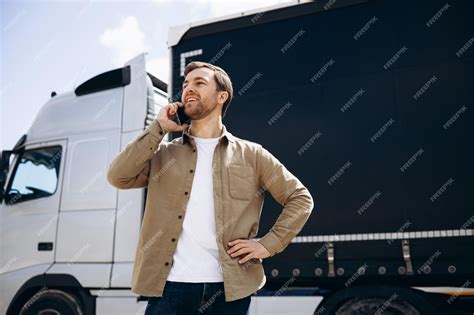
[378, 300]
[357, 306]
[52, 302]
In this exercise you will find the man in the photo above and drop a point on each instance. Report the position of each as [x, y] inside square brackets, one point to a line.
[197, 252]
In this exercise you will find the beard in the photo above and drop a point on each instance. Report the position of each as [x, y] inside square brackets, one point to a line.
[200, 110]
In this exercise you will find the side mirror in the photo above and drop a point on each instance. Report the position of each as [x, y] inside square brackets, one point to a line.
[4, 167]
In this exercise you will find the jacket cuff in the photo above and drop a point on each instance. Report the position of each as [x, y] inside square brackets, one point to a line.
[271, 242]
[157, 130]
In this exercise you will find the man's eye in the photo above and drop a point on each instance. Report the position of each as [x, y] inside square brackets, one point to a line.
[184, 86]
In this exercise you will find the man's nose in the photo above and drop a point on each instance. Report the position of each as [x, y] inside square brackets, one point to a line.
[188, 89]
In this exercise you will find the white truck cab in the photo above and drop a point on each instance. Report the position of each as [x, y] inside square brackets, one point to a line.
[66, 234]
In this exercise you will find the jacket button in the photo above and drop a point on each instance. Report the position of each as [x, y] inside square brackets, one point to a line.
[161, 132]
[180, 216]
[190, 171]
[173, 239]
[167, 263]
[185, 192]
[194, 150]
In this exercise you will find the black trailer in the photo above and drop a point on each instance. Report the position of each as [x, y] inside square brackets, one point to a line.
[369, 103]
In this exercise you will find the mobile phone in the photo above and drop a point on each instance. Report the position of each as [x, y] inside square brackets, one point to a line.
[181, 116]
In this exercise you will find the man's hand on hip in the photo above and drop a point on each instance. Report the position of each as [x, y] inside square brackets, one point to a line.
[252, 248]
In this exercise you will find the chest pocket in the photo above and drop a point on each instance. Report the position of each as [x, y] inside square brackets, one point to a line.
[241, 182]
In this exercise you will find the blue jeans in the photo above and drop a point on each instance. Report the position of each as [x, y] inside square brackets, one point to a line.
[183, 298]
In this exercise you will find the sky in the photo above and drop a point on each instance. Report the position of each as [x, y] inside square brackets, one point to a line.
[50, 46]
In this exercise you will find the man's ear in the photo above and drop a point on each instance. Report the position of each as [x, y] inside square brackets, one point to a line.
[222, 97]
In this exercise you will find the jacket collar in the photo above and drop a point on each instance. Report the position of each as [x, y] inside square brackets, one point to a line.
[185, 137]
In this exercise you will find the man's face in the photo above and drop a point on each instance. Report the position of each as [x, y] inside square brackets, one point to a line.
[200, 96]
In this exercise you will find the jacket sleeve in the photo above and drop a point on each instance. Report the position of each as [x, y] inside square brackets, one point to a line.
[291, 194]
[131, 167]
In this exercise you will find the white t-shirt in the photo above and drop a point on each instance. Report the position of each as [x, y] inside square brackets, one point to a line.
[197, 257]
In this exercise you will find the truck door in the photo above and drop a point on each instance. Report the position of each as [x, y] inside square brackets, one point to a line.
[29, 211]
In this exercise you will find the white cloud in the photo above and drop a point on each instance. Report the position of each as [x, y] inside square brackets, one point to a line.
[218, 8]
[124, 41]
[221, 7]
[159, 67]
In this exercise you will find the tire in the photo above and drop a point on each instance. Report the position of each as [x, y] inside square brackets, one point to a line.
[52, 302]
[384, 300]
[356, 306]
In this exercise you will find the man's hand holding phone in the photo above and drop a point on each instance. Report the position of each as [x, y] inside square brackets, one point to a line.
[166, 117]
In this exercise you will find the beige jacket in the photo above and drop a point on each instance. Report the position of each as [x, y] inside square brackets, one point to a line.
[242, 172]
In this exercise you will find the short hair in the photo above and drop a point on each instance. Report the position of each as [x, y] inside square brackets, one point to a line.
[221, 77]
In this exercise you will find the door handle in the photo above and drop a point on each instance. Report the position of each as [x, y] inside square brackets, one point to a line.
[45, 246]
